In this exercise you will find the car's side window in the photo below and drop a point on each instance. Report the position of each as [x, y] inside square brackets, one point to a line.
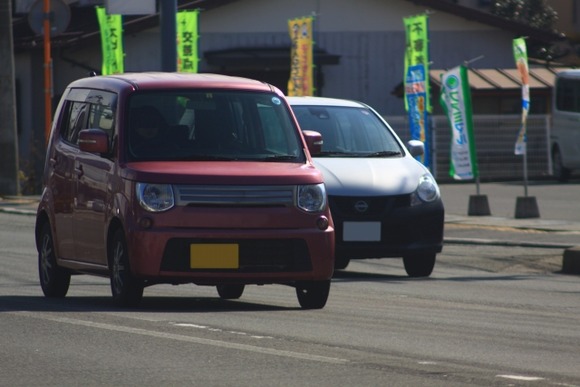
[102, 117]
[77, 120]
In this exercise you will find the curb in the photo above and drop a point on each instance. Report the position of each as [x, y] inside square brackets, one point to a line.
[491, 242]
[19, 211]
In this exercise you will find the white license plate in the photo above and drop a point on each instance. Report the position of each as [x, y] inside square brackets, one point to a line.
[361, 231]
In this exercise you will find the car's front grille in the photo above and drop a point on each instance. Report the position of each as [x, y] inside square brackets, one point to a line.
[362, 207]
[240, 196]
[255, 255]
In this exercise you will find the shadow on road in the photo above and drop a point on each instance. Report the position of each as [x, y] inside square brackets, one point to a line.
[149, 304]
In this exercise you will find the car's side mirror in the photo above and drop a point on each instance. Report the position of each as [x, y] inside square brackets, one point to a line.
[416, 148]
[93, 141]
[313, 141]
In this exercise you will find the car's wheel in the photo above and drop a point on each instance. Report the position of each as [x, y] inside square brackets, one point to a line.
[313, 294]
[560, 172]
[54, 280]
[340, 263]
[230, 291]
[127, 290]
[419, 265]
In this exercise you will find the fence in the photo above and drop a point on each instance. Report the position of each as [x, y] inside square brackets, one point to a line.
[495, 138]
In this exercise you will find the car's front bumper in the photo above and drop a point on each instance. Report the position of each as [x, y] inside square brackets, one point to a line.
[262, 257]
[403, 230]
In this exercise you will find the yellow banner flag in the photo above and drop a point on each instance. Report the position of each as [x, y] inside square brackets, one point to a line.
[187, 36]
[111, 42]
[301, 80]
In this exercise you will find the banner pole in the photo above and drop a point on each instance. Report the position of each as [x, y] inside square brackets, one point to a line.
[47, 71]
[526, 173]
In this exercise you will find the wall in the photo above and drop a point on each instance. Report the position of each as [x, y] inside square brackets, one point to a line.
[367, 34]
[495, 138]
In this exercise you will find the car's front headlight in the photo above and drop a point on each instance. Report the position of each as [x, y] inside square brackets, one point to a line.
[311, 198]
[155, 197]
[426, 192]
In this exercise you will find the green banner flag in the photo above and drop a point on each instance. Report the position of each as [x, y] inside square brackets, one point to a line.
[417, 49]
[187, 37]
[455, 100]
[111, 42]
[416, 81]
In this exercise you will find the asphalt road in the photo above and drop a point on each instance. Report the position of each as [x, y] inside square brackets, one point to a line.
[489, 315]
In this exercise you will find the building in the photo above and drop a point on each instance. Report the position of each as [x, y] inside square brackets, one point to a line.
[359, 49]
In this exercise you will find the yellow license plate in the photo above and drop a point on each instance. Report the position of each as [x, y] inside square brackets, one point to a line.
[214, 256]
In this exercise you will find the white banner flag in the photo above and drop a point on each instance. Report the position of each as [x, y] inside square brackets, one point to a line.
[456, 102]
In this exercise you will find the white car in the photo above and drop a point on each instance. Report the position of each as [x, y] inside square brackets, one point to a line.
[383, 201]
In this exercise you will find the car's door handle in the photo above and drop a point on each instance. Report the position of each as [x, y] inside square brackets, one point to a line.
[79, 171]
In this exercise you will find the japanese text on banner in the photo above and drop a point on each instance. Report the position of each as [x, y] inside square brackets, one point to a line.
[111, 42]
[455, 100]
[187, 38]
[416, 81]
[301, 80]
[417, 47]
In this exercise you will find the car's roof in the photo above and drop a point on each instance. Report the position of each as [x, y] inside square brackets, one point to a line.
[166, 80]
[323, 101]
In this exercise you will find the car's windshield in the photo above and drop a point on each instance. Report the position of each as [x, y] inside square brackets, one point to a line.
[348, 131]
[210, 125]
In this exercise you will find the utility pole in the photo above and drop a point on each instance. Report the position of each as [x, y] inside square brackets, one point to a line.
[168, 18]
[9, 183]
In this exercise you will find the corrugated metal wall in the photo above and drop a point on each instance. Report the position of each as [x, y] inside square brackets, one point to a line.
[371, 62]
[495, 138]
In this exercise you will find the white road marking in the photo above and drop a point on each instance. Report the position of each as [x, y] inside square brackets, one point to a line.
[189, 325]
[521, 377]
[189, 339]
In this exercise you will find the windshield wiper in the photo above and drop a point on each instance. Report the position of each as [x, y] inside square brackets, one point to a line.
[278, 158]
[335, 153]
[383, 154]
[205, 158]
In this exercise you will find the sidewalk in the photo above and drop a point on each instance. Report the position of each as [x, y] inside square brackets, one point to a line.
[455, 213]
[23, 205]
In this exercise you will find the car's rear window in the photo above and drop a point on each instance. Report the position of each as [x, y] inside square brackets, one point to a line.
[210, 125]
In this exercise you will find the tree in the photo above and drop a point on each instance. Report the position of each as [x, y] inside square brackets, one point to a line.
[535, 13]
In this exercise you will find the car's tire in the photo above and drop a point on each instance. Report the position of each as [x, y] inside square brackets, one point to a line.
[340, 263]
[420, 265]
[230, 291]
[126, 289]
[560, 172]
[54, 280]
[313, 294]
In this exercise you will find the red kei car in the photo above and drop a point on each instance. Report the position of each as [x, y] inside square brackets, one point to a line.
[173, 178]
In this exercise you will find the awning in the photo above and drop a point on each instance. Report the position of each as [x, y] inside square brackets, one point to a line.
[496, 80]
[500, 79]
[262, 57]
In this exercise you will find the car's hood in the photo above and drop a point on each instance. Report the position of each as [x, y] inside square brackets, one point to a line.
[370, 176]
[222, 172]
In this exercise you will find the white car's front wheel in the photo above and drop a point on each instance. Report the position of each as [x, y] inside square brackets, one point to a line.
[313, 294]
[420, 265]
